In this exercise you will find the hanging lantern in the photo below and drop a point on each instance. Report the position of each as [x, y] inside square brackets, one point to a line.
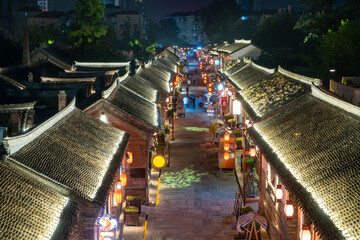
[118, 196]
[226, 137]
[123, 179]
[305, 233]
[226, 156]
[289, 210]
[279, 193]
[226, 147]
[129, 157]
[252, 151]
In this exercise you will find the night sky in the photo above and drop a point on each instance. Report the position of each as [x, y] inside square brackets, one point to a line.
[161, 8]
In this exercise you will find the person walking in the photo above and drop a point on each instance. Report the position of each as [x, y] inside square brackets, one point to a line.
[196, 102]
[186, 102]
[187, 90]
[194, 81]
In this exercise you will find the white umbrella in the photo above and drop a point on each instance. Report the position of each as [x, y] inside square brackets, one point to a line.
[248, 218]
[215, 121]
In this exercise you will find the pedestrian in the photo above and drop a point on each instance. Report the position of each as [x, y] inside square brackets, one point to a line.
[188, 82]
[201, 102]
[196, 102]
[192, 102]
[194, 81]
[187, 90]
[186, 102]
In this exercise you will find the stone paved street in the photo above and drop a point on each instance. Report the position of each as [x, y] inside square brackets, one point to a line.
[196, 198]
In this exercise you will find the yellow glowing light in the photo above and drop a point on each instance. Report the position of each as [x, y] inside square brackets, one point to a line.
[159, 161]
[226, 156]
[226, 137]
[226, 147]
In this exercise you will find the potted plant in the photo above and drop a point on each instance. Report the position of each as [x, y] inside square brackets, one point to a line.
[134, 201]
[160, 148]
[131, 216]
[167, 129]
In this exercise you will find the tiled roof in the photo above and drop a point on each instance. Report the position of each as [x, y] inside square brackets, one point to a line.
[142, 88]
[55, 55]
[172, 56]
[157, 81]
[315, 149]
[236, 67]
[135, 105]
[235, 46]
[79, 152]
[32, 211]
[166, 63]
[247, 76]
[273, 92]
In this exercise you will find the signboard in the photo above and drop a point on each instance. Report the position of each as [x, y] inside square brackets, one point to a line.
[107, 228]
[223, 102]
[217, 62]
[236, 107]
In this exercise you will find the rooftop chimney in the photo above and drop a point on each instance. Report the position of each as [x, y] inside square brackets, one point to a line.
[61, 100]
[30, 77]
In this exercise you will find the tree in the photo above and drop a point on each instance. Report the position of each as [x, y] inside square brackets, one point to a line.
[340, 50]
[88, 27]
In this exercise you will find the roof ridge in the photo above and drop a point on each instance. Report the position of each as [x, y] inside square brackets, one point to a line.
[301, 78]
[17, 106]
[268, 70]
[348, 107]
[106, 93]
[13, 144]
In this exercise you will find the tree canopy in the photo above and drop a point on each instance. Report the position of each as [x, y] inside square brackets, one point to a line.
[88, 26]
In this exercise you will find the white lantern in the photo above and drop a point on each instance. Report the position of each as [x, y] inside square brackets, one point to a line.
[289, 210]
[279, 193]
[305, 233]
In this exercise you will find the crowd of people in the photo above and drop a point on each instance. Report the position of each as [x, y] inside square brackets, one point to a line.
[193, 102]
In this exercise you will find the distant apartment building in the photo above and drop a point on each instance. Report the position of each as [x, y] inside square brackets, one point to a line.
[191, 27]
[130, 21]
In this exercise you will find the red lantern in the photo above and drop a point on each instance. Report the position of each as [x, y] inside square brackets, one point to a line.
[226, 137]
[123, 179]
[289, 210]
[129, 157]
[252, 151]
[226, 156]
[226, 147]
[118, 196]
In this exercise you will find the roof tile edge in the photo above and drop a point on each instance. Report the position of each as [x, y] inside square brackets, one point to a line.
[335, 101]
[268, 70]
[13, 144]
[106, 93]
[301, 78]
[102, 64]
[243, 41]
